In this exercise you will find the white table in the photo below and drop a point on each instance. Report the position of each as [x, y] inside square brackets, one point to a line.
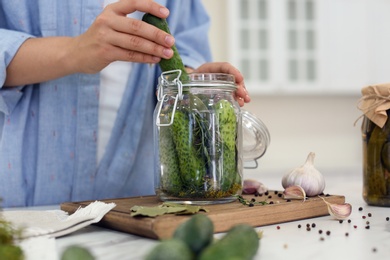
[281, 241]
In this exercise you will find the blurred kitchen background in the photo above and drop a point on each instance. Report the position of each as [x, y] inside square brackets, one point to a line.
[305, 62]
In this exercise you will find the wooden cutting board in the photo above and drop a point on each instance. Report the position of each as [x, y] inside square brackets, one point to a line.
[224, 216]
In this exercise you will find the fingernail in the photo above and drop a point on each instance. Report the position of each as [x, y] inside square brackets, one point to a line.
[168, 53]
[164, 11]
[169, 40]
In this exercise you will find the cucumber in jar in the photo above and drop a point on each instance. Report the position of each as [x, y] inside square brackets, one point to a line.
[227, 123]
[189, 150]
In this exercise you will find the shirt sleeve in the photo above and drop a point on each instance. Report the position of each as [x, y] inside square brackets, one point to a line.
[9, 44]
[189, 23]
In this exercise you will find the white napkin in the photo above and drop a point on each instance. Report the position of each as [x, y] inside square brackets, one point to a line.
[56, 223]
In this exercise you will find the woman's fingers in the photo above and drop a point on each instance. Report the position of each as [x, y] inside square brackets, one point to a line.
[241, 94]
[124, 7]
[124, 24]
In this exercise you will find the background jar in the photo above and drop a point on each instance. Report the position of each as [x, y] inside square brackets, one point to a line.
[376, 162]
[199, 139]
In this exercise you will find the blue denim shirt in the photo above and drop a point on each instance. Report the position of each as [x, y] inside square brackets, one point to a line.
[48, 131]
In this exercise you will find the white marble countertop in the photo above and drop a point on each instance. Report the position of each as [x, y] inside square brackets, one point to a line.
[281, 241]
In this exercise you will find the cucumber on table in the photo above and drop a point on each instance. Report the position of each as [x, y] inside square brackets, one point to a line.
[197, 233]
[240, 242]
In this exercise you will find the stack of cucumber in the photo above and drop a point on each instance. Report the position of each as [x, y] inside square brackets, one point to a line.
[194, 240]
[198, 151]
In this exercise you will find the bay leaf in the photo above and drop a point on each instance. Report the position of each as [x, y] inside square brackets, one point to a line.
[165, 208]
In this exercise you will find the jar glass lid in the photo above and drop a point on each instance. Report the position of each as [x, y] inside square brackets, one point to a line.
[256, 137]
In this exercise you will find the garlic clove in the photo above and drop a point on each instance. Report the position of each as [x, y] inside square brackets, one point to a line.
[251, 186]
[339, 211]
[306, 176]
[294, 192]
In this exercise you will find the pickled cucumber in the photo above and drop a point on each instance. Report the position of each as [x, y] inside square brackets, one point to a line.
[376, 154]
[170, 178]
[189, 149]
[227, 123]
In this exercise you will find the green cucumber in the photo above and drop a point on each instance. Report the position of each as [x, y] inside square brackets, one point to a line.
[240, 242]
[192, 165]
[227, 136]
[170, 179]
[197, 232]
[76, 252]
[172, 249]
[175, 62]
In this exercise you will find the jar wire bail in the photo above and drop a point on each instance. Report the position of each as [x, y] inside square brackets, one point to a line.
[162, 82]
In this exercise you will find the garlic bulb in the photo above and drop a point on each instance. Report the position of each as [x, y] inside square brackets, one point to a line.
[306, 176]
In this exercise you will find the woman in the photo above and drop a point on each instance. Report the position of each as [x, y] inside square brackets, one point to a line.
[59, 61]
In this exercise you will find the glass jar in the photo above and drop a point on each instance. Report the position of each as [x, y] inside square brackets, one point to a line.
[376, 163]
[375, 104]
[199, 139]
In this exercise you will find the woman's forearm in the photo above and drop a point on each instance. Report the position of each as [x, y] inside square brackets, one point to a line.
[39, 60]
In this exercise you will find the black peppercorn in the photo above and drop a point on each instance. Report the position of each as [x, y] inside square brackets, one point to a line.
[360, 208]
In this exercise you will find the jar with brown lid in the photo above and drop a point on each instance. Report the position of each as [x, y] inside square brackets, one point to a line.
[375, 104]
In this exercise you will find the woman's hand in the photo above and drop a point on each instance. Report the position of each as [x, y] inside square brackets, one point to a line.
[114, 36]
[241, 93]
